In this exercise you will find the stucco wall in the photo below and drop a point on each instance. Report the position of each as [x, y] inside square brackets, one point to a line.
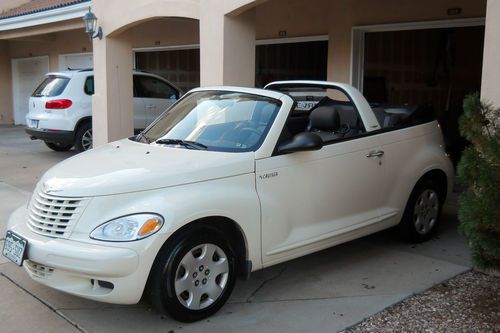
[490, 90]
[74, 41]
[165, 32]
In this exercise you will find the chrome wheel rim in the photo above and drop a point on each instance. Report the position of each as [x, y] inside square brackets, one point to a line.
[425, 212]
[87, 139]
[201, 276]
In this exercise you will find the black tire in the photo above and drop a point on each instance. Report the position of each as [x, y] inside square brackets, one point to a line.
[167, 268]
[56, 146]
[422, 213]
[82, 136]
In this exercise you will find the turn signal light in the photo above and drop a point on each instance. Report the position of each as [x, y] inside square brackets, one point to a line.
[149, 226]
[58, 104]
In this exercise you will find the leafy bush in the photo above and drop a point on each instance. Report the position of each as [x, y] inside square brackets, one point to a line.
[479, 170]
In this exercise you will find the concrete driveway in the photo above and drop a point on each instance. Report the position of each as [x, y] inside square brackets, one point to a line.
[322, 292]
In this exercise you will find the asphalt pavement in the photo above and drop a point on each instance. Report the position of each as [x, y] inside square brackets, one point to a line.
[322, 292]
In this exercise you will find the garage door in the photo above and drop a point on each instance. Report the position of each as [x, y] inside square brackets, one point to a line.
[277, 61]
[75, 61]
[27, 74]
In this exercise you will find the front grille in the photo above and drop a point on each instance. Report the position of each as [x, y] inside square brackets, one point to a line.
[38, 270]
[54, 216]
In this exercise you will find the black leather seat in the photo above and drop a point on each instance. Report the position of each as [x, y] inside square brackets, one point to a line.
[325, 122]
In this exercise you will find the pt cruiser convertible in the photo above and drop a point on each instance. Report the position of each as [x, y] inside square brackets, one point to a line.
[230, 180]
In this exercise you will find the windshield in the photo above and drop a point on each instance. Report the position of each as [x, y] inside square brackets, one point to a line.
[215, 120]
[52, 86]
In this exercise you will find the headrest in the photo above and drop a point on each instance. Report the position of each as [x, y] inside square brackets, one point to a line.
[324, 118]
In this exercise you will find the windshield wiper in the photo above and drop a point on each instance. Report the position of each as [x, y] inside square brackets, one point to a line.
[141, 137]
[185, 143]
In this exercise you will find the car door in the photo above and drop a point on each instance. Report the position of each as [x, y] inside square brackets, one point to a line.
[309, 199]
[156, 95]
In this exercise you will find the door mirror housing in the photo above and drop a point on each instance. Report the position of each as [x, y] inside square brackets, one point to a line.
[304, 141]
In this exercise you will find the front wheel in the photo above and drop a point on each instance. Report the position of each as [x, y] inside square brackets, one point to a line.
[83, 138]
[422, 213]
[56, 146]
[192, 279]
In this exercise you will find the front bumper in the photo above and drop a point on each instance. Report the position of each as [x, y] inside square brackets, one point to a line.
[98, 272]
[62, 137]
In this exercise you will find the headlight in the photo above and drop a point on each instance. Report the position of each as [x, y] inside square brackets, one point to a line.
[128, 228]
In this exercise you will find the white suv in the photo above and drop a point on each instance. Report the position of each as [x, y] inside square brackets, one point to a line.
[61, 107]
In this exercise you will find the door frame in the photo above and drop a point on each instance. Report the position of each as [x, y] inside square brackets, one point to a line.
[15, 82]
[358, 34]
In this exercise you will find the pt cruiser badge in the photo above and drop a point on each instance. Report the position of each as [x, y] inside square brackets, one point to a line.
[268, 175]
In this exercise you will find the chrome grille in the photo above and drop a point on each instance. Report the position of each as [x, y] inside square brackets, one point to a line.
[54, 216]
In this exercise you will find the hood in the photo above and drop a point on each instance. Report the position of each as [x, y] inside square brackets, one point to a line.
[127, 166]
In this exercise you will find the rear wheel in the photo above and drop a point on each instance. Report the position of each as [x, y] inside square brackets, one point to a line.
[56, 146]
[193, 278]
[83, 138]
[422, 213]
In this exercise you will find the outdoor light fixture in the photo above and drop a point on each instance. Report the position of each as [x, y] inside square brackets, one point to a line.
[91, 25]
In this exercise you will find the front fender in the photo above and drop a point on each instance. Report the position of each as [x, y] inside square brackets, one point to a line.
[233, 197]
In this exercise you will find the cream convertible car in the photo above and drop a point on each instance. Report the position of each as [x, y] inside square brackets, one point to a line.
[230, 180]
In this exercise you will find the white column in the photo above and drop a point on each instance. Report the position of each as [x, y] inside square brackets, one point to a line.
[227, 46]
[490, 86]
[112, 103]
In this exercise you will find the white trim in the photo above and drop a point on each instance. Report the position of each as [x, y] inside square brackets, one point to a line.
[44, 17]
[166, 48]
[257, 42]
[358, 39]
[287, 40]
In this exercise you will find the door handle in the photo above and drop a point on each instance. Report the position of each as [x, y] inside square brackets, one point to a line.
[375, 153]
[150, 106]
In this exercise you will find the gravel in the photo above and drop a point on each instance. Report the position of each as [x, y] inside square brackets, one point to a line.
[469, 302]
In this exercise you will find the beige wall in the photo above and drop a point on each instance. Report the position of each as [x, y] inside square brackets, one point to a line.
[6, 114]
[165, 32]
[75, 41]
[490, 90]
[227, 46]
[134, 12]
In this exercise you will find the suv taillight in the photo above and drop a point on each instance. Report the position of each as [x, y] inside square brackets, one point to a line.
[58, 104]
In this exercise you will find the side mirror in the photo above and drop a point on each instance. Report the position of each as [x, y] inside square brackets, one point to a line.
[301, 142]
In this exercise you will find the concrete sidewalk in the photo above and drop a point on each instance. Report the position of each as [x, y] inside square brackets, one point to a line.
[322, 292]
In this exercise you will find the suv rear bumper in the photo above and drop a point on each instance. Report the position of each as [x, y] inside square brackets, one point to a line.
[63, 137]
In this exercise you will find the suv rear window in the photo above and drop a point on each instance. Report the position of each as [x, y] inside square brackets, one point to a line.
[51, 86]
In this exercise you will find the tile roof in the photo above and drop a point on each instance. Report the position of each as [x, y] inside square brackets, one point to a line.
[36, 6]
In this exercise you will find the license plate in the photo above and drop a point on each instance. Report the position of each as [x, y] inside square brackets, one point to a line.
[305, 105]
[33, 123]
[14, 247]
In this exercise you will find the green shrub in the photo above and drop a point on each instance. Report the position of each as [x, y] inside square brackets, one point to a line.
[479, 171]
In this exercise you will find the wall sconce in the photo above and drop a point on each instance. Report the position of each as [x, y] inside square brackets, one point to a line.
[91, 25]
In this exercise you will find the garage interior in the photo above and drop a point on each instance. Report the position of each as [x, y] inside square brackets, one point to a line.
[438, 67]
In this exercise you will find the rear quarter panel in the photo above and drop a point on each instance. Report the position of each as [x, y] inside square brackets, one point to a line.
[409, 154]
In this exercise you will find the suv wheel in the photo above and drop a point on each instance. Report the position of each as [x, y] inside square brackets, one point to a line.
[193, 278]
[83, 138]
[56, 146]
